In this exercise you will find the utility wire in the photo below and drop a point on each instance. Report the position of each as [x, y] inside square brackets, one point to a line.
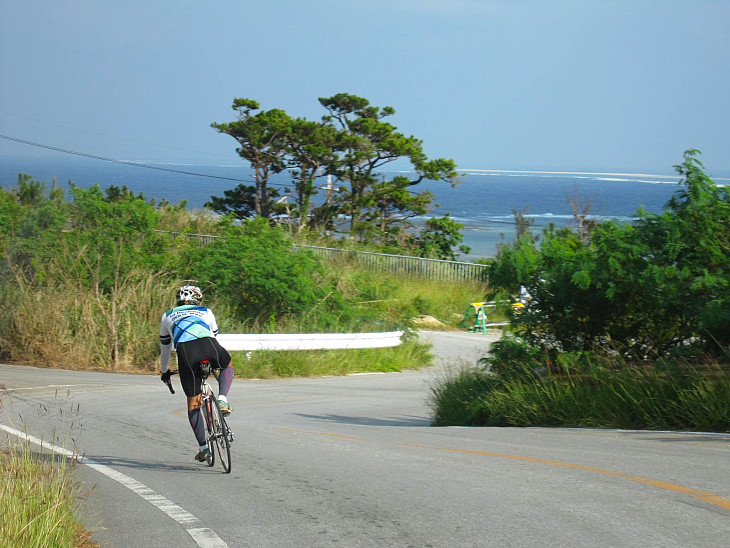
[125, 162]
[136, 164]
[104, 134]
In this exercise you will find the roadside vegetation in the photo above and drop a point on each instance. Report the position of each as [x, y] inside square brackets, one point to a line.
[37, 501]
[626, 326]
[38, 498]
[85, 281]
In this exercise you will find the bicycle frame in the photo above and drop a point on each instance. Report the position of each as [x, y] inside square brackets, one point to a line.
[218, 434]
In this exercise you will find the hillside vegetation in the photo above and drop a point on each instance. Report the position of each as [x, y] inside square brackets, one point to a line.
[86, 277]
[626, 325]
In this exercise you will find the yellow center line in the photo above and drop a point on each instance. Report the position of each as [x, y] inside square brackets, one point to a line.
[326, 434]
[705, 496]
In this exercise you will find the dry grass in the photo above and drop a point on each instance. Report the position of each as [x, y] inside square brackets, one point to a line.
[58, 325]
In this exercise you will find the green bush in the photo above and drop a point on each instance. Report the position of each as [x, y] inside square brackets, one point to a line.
[79, 279]
[655, 287]
[257, 271]
[454, 400]
[583, 390]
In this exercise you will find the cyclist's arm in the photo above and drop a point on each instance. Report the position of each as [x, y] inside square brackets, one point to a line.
[165, 353]
[212, 323]
[165, 345]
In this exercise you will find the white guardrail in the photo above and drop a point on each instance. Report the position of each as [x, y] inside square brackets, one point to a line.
[308, 341]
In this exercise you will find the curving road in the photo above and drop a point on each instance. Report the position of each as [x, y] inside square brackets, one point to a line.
[352, 461]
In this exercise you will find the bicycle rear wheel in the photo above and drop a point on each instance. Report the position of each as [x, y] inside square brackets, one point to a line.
[222, 441]
[208, 403]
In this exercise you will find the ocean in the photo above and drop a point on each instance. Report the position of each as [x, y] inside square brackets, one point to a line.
[484, 202]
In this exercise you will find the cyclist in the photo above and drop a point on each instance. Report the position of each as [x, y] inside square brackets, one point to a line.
[191, 329]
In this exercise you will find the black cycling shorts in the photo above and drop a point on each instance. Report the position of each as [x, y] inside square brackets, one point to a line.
[189, 356]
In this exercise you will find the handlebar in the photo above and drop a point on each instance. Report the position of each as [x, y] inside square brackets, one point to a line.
[169, 384]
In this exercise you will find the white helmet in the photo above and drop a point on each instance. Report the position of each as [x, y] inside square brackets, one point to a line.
[189, 294]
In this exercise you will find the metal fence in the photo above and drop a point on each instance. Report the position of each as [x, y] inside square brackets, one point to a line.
[202, 239]
[397, 264]
[403, 264]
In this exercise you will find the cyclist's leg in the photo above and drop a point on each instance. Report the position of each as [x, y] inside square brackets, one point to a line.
[191, 383]
[222, 360]
[195, 416]
[225, 379]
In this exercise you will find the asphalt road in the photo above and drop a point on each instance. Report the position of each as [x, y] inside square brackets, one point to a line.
[352, 461]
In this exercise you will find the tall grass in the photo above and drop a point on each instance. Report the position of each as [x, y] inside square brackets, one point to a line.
[454, 398]
[400, 297]
[60, 325]
[39, 498]
[633, 398]
[311, 363]
[37, 501]
[74, 333]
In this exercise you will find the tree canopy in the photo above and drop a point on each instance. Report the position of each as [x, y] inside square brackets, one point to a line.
[350, 148]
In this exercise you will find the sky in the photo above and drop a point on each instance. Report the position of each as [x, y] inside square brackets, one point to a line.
[566, 85]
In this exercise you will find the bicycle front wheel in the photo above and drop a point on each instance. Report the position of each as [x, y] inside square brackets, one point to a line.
[222, 442]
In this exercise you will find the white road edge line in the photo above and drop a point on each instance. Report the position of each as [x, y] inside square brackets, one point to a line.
[203, 536]
[47, 386]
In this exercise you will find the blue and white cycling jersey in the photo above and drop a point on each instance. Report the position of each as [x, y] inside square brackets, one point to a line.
[182, 324]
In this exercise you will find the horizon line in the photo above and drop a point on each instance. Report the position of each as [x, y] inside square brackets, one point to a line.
[532, 172]
[538, 172]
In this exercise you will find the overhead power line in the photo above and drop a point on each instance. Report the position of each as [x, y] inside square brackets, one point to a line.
[115, 137]
[125, 162]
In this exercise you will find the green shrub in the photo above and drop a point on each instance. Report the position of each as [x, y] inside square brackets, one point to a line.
[657, 286]
[599, 397]
[454, 400]
[256, 269]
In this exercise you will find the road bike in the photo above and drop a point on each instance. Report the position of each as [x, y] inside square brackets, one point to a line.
[219, 435]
